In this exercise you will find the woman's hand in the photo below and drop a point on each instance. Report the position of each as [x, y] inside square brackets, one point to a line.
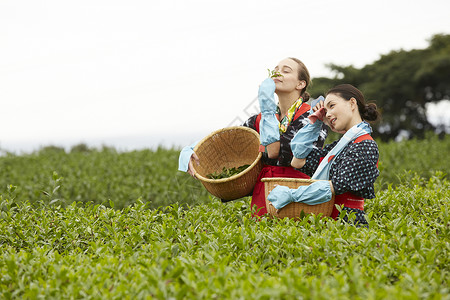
[323, 117]
[318, 106]
[266, 96]
[194, 159]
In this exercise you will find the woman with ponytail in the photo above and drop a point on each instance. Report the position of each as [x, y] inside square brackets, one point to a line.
[276, 124]
[347, 167]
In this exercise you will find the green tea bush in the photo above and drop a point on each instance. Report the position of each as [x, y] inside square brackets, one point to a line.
[106, 176]
[100, 224]
[401, 160]
[216, 251]
[100, 176]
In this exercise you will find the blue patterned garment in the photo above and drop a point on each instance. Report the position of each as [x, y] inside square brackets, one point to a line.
[360, 219]
[354, 169]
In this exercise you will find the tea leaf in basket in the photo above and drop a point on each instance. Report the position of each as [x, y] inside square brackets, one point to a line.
[227, 172]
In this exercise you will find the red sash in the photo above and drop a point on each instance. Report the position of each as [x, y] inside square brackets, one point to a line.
[348, 200]
[258, 197]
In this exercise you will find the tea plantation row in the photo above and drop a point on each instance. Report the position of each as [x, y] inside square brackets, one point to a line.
[60, 238]
[217, 251]
[107, 176]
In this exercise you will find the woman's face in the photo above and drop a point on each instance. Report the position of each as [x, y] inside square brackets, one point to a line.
[288, 81]
[340, 112]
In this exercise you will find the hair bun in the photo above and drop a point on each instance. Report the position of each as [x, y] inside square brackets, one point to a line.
[370, 112]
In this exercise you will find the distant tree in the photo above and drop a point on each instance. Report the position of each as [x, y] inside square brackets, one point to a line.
[81, 147]
[51, 149]
[401, 83]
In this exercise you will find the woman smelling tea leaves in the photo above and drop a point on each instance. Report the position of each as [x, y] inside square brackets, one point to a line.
[276, 124]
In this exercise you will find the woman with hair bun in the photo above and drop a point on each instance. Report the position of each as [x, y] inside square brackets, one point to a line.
[347, 167]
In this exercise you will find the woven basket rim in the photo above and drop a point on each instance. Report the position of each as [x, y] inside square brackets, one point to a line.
[258, 158]
[285, 179]
[294, 209]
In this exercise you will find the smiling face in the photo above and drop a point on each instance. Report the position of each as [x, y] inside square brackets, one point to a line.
[288, 81]
[341, 114]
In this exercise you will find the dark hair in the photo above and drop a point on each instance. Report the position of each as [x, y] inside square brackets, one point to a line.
[368, 111]
[303, 74]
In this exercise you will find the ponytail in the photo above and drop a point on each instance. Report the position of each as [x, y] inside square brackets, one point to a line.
[305, 95]
[303, 74]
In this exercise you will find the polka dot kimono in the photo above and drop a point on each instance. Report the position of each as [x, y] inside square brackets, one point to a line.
[354, 170]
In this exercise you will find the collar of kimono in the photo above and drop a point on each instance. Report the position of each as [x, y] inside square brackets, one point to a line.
[287, 119]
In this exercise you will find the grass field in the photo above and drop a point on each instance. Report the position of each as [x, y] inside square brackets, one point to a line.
[85, 224]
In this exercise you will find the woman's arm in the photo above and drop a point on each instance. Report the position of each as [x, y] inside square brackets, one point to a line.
[316, 193]
[315, 157]
[273, 150]
[312, 135]
[269, 125]
[303, 142]
[250, 122]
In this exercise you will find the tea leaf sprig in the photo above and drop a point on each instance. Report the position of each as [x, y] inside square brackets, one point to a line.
[273, 73]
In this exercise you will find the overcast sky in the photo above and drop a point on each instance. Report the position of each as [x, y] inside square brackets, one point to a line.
[169, 72]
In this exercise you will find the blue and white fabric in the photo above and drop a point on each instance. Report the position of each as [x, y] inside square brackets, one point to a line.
[269, 124]
[302, 143]
[323, 171]
[316, 193]
[185, 157]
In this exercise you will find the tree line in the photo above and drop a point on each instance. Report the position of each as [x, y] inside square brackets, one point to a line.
[401, 83]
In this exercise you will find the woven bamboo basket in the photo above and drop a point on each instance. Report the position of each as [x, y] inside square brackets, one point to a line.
[229, 147]
[294, 209]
